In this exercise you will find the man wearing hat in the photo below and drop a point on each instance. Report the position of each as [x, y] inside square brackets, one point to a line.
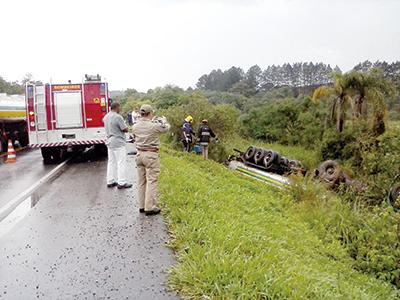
[205, 135]
[147, 133]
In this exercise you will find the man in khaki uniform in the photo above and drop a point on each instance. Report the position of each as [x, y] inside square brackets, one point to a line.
[147, 133]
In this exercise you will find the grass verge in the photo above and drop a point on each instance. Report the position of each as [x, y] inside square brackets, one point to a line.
[240, 239]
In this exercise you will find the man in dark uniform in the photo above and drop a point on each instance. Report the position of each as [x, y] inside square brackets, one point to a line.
[187, 134]
[205, 135]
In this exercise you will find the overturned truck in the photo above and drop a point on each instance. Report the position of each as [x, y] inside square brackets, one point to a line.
[273, 168]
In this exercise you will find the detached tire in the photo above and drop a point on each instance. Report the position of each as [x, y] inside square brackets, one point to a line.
[249, 154]
[394, 196]
[330, 173]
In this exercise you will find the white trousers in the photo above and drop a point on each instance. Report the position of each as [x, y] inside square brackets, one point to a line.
[116, 167]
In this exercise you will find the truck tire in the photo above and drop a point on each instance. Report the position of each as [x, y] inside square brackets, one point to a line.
[52, 155]
[46, 154]
[270, 159]
[294, 164]
[394, 196]
[283, 161]
[101, 150]
[249, 154]
[330, 173]
[259, 155]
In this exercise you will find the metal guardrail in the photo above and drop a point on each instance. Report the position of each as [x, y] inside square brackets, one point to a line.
[13, 204]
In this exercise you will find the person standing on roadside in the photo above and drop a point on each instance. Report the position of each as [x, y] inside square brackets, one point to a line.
[147, 133]
[116, 128]
[187, 134]
[205, 134]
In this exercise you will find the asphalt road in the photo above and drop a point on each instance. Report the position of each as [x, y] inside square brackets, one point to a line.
[17, 177]
[85, 241]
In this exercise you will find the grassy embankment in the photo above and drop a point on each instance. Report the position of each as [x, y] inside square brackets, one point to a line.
[239, 239]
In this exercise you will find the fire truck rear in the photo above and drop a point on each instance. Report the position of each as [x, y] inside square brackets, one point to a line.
[63, 117]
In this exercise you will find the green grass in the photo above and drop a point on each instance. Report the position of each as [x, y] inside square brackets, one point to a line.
[239, 239]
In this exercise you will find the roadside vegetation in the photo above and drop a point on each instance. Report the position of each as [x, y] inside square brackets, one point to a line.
[239, 239]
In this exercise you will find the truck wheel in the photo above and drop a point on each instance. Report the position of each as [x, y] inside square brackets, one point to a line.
[331, 173]
[100, 150]
[270, 159]
[293, 164]
[52, 155]
[250, 152]
[47, 156]
[284, 161]
[259, 155]
[395, 196]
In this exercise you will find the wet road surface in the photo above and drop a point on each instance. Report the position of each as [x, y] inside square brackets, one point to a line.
[85, 241]
[17, 177]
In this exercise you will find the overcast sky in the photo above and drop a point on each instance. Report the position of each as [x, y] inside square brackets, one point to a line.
[144, 44]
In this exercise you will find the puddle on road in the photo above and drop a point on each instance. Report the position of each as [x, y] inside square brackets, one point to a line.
[17, 215]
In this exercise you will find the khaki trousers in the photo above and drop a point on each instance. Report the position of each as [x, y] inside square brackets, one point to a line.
[148, 168]
[204, 150]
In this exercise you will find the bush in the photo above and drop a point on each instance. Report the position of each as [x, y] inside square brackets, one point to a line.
[337, 145]
[222, 119]
[289, 122]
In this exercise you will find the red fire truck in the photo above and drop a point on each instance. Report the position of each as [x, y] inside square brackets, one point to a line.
[62, 117]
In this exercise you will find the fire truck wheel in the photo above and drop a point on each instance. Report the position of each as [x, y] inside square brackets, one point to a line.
[46, 154]
[100, 150]
[52, 155]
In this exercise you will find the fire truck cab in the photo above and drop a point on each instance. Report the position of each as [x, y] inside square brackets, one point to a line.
[61, 117]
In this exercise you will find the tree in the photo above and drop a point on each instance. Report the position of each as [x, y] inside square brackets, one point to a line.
[28, 77]
[356, 90]
[370, 88]
[10, 87]
[341, 99]
[253, 79]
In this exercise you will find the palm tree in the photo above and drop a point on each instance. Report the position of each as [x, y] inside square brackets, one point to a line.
[370, 88]
[357, 90]
[341, 98]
